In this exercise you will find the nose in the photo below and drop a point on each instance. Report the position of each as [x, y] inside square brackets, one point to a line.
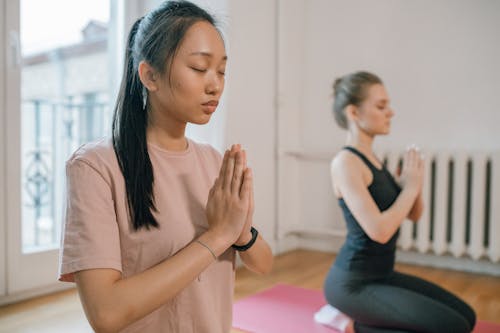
[391, 113]
[214, 84]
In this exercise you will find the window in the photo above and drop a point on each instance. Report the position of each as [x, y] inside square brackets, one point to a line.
[64, 103]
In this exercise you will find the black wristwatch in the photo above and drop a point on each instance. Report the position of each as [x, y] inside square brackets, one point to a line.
[248, 245]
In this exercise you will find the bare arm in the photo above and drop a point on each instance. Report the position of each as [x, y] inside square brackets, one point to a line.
[258, 258]
[379, 226]
[417, 209]
[112, 302]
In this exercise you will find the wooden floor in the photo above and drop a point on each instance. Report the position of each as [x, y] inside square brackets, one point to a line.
[62, 312]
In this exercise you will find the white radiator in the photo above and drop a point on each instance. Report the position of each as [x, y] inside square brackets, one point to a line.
[462, 206]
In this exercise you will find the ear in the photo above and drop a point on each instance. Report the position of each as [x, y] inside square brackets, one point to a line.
[352, 112]
[148, 76]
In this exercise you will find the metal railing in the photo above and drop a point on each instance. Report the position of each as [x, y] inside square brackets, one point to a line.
[51, 131]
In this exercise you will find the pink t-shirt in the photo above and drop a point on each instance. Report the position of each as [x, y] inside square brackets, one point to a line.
[98, 233]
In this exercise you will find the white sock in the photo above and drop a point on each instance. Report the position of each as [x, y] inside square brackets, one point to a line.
[330, 316]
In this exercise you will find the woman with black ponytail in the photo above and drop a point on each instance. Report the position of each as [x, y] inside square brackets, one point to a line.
[154, 219]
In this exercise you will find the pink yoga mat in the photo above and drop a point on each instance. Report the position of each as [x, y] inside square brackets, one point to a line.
[290, 309]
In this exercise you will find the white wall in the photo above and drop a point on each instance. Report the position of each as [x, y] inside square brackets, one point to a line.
[439, 59]
[250, 99]
[440, 63]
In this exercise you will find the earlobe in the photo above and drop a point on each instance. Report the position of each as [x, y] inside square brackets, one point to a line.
[147, 75]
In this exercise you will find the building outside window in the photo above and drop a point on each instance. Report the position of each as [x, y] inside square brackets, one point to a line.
[64, 103]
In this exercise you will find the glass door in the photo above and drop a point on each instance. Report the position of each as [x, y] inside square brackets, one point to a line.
[57, 98]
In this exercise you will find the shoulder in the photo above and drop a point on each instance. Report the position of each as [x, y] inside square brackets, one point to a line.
[206, 151]
[98, 155]
[94, 152]
[348, 169]
[346, 162]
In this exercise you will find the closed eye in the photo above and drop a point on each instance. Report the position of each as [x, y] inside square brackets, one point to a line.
[200, 70]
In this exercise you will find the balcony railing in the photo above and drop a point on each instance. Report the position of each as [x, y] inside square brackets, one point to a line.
[51, 132]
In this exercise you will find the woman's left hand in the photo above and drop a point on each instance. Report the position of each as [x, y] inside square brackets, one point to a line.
[259, 258]
[399, 167]
[246, 234]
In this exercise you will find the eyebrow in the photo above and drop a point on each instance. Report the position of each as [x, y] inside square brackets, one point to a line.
[206, 54]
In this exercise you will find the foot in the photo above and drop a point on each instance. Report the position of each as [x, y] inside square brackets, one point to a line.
[332, 317]
[350, 327]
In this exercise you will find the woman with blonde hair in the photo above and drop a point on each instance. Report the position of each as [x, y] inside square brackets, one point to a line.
[362, 283]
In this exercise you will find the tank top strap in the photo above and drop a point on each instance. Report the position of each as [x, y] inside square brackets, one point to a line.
[362, 157]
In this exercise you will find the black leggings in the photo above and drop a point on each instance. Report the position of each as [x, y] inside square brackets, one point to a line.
[397, 302]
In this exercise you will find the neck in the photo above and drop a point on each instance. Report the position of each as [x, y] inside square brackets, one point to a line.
[166, 132]
[360, 140]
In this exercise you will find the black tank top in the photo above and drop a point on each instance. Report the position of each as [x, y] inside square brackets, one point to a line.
[360, 253]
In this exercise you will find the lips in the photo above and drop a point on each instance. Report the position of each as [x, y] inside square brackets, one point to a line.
[211, 103]
[210, 106]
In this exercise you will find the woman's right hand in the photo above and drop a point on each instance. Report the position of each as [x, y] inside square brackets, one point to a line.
[229, 198]
[412, 173]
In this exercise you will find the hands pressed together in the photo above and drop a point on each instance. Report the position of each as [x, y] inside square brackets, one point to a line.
[412, 172]
[230, 202]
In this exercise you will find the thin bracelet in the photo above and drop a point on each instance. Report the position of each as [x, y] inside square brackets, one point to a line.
[206, 246]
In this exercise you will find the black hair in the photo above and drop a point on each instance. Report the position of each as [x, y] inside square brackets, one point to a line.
[351, 89]
[155, 39]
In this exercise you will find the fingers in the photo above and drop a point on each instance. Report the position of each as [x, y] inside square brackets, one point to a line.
[236, 177]
[406, 161]
[238, 174]
[212, 189]
[237, 148]
[246, 187]
[222, 172]
[252, 203]
[233, 168]
[421, 167]
[244, 159]
[228, 172]
[414, 163]
[413, 157]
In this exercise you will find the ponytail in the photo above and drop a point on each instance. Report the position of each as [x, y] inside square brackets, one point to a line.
[129, 141]
[155, 39]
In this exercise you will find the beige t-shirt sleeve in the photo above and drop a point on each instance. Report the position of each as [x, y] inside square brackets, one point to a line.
[90, 236]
